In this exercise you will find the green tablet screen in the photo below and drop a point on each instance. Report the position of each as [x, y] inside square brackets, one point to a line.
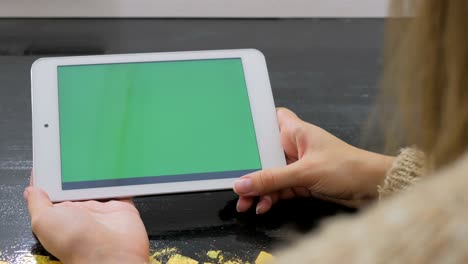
[154, 122]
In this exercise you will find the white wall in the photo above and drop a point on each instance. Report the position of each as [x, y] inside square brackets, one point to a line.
[193, 8]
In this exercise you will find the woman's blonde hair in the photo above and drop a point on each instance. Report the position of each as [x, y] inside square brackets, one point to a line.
[425, 75]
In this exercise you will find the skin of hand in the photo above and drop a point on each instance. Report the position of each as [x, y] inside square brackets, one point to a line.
[90, 231]
[319, 165]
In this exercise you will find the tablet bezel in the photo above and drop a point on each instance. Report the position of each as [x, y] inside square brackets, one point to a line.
[46, 135]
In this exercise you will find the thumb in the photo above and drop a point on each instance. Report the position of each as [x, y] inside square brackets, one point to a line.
[285, 115]
[269, 180]
[38, 201]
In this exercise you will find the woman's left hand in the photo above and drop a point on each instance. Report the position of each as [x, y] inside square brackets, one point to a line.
[90, 231]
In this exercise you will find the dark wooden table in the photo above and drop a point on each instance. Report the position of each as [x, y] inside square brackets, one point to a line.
[325, 70]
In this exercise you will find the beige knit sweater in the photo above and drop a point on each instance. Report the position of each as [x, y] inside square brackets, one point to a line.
[426, 224]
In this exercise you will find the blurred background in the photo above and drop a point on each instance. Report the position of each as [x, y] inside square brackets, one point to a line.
[324, 59]
[192, 8]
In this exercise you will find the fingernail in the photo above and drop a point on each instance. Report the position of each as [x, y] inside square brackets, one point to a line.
[26, 194]
[237, 207]
[243, 186]
[258, 208]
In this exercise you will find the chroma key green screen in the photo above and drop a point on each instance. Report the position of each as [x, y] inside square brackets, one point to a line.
[154, 122]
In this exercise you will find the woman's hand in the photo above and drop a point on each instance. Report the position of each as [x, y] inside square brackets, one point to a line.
[88, 232]
[319, 165]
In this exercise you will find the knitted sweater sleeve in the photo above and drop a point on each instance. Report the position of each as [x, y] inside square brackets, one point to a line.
[405, 171]
[426, 224]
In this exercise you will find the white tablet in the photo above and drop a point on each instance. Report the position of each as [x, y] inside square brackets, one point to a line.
[141, 124]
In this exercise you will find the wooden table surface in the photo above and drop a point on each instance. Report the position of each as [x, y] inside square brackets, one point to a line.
[325, 70]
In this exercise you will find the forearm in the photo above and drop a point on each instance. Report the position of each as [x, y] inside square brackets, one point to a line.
[362, 171]
[381, 176]
[372, 168]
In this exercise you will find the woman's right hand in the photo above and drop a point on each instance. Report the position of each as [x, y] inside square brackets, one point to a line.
[319, 165]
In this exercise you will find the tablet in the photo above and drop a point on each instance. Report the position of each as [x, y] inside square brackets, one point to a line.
[113, 126]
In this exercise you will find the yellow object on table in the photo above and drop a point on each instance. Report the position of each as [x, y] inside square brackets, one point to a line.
[263, 258]
[213, 254]
[153, 260]
[179, 259]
